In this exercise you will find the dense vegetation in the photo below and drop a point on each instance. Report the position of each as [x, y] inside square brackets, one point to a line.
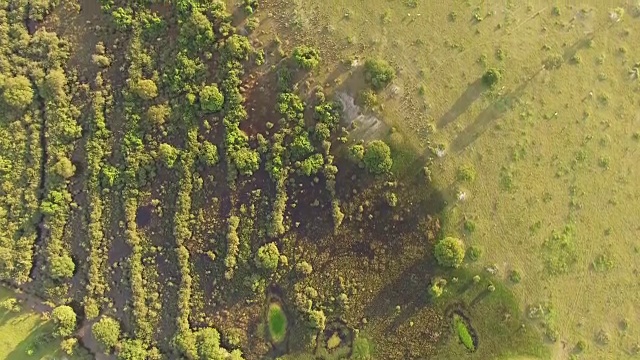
[175, 188]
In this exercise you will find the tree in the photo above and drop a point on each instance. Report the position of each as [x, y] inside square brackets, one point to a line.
[312, 164]
[69, 345]
[211, 99]
[208, 342]
[356, 152]
[437, 287]
[306, 57]
[491, 77]
[53, 84]
[300, 146]
[378, 73]
[268, 256]
[449, 252]
[61, 266]
[64, 168]
[132, 350]
[317, 319]
[64, 319]
[146, 89]
[17, 92]
[107, 332]
[168, 154]
[158, 114]
[209, 154]
[246, 160]
[377, 157]
[238, 47]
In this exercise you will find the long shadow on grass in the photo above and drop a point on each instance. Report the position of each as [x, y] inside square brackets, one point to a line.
[473, 92]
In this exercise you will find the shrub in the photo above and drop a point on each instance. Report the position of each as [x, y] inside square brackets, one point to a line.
[491, 77]
[64, 168]
[356, 152]
[391, 198]
[246, 161]
[268, 256]
[64, 319]
[474, 253]
[437, 287]
[317, 319]
[211, 99]
[132, 350]
[61, 266]
[515, 276]
[146, 89]
[106, 332]
[209, 154]
[68, 346]
[306, 57]
[377, 157]
[304, 268]
[17, 92]
[466, 173]
[449, 252]
[368, 98]
[378, 73]
[168, 154]
[158, 114]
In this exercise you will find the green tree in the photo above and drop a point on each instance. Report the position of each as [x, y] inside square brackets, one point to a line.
[377, 157]
[246, 161]
[158, 114]
[449, 252]
[491, 77]
[17, 92]
[209, 153]
[53, 85]
[106, 332]
[238, 47]
[211, 99]
[208, 342]
[132, 350]
[356, 152]
[64, 319]
[61, 266]
[306, 57]
[300, 146]
[317, 319]
[168, 154]
[378, 73]
[146, 89]
[268, 256]
[312, 164]
[64, 168]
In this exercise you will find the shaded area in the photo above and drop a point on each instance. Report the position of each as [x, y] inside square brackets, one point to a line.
[471, 94]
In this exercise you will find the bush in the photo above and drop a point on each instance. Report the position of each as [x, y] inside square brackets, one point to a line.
[474, 252]
[61, 266]
[268, 256]
[168, 154]
[356, 152]
[64, 168]
[378, 73]
[106, 332]
[306, 57]
[304, 268]
[146, 89]
[317, 319]
[209, 154]
[466, 173]
[158, 114]
[391, 198]
[17, 92]
[211, 99]
[64, 319]
[368, 98]
[449, 252]
[491, 77]
[132, 350]
[377, 157]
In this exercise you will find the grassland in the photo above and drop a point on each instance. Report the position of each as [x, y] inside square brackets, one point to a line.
[21, 333]
[553, 149]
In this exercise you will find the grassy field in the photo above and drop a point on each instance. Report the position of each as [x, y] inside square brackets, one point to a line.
[20, 331]
[552, 148]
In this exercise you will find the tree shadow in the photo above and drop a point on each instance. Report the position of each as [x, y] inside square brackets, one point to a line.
[470, 95]
[39, 343]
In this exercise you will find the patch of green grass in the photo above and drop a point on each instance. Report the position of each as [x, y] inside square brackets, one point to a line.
[25, 335]
[277, 323]
[463, 332]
